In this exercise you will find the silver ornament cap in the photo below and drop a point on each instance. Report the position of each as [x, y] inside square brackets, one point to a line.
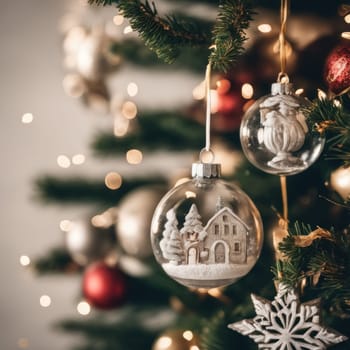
[282, 89]
[206, 170]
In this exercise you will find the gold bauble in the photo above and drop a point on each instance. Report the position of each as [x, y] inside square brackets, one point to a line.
[176, 339]
[340, 182]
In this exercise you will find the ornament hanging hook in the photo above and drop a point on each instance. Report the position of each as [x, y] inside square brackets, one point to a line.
[206, 154]
[282, 41]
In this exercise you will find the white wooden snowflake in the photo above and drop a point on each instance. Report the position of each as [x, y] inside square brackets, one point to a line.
[286, 324]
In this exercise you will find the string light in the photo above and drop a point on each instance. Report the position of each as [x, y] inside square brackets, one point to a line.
[247, 91]
[194, 347]
[45, 301]
[127, 30]
[24, 260]
[83, 308]
[65, 225]
[78, 159]
[121, 126]
[134, 156]
[113, 180]
[118, 20]
[347, 18]
[163, 342]
[27, 118]
[129, 110]
[63, 161]
[188, 335]
[264, 28]
[299, 92]
[132, 89]
[345, 35]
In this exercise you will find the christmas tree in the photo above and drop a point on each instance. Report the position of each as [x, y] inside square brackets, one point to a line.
[306, 248]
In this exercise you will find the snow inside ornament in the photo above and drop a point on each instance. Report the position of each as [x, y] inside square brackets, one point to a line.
[287, 324]
[205, 232]
[275, 136]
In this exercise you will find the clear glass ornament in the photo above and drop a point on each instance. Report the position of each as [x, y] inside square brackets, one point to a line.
[275, 136]
[206, 233]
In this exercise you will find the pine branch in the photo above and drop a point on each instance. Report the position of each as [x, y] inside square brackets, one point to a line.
[163, 35]
[81, 190]
[229, 32]
[161, 129]
[334, 119]
[325, 263]
[58, 260]
[166, 36]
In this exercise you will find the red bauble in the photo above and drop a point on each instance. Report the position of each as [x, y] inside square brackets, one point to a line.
[104, 286]
[230, 102]
[337, 69]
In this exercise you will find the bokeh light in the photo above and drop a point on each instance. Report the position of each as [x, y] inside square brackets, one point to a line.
[134, 156]
[113, 180]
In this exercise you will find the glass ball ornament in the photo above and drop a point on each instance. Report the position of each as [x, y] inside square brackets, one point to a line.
[337, 69]
[275, 136]
[206, 233]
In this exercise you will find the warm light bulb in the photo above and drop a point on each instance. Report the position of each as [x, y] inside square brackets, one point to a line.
[188, 335]
[65, 225]
[264, 28]
[129, 110]
[63, 161]
[134, 156]
[113, 180]
[83, 308]
[163, 342]
[132, 89]
[27, 118]
[345, 35]
[127, 30]
[247, 91]
[24, 260]
[45, 301]
[78, 159]
[118, 20]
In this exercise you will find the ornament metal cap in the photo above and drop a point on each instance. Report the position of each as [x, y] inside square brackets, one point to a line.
[206, 170]
[282, 89]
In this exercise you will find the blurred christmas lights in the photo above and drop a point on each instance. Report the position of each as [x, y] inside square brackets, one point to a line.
[134, 156]
[27, 118]
[113, 180]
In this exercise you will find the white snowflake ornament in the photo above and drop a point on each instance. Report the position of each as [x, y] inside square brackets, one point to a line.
[286, 324]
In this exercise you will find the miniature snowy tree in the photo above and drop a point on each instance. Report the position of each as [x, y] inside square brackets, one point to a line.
[174, 248]
[170, 227]
[193, 224]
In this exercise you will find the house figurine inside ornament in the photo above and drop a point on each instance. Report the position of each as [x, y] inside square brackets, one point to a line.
[205, 257]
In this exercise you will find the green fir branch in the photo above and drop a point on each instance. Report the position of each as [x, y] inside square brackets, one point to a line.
[163, 35]
[57, 260]
[229, 32]
[85, 191]
[168, 35]
[325, 264]
[155, 130]
[333, 119]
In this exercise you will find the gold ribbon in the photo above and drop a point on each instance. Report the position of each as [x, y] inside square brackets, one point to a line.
[306, 241]
[282, 36]
[278, 235]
